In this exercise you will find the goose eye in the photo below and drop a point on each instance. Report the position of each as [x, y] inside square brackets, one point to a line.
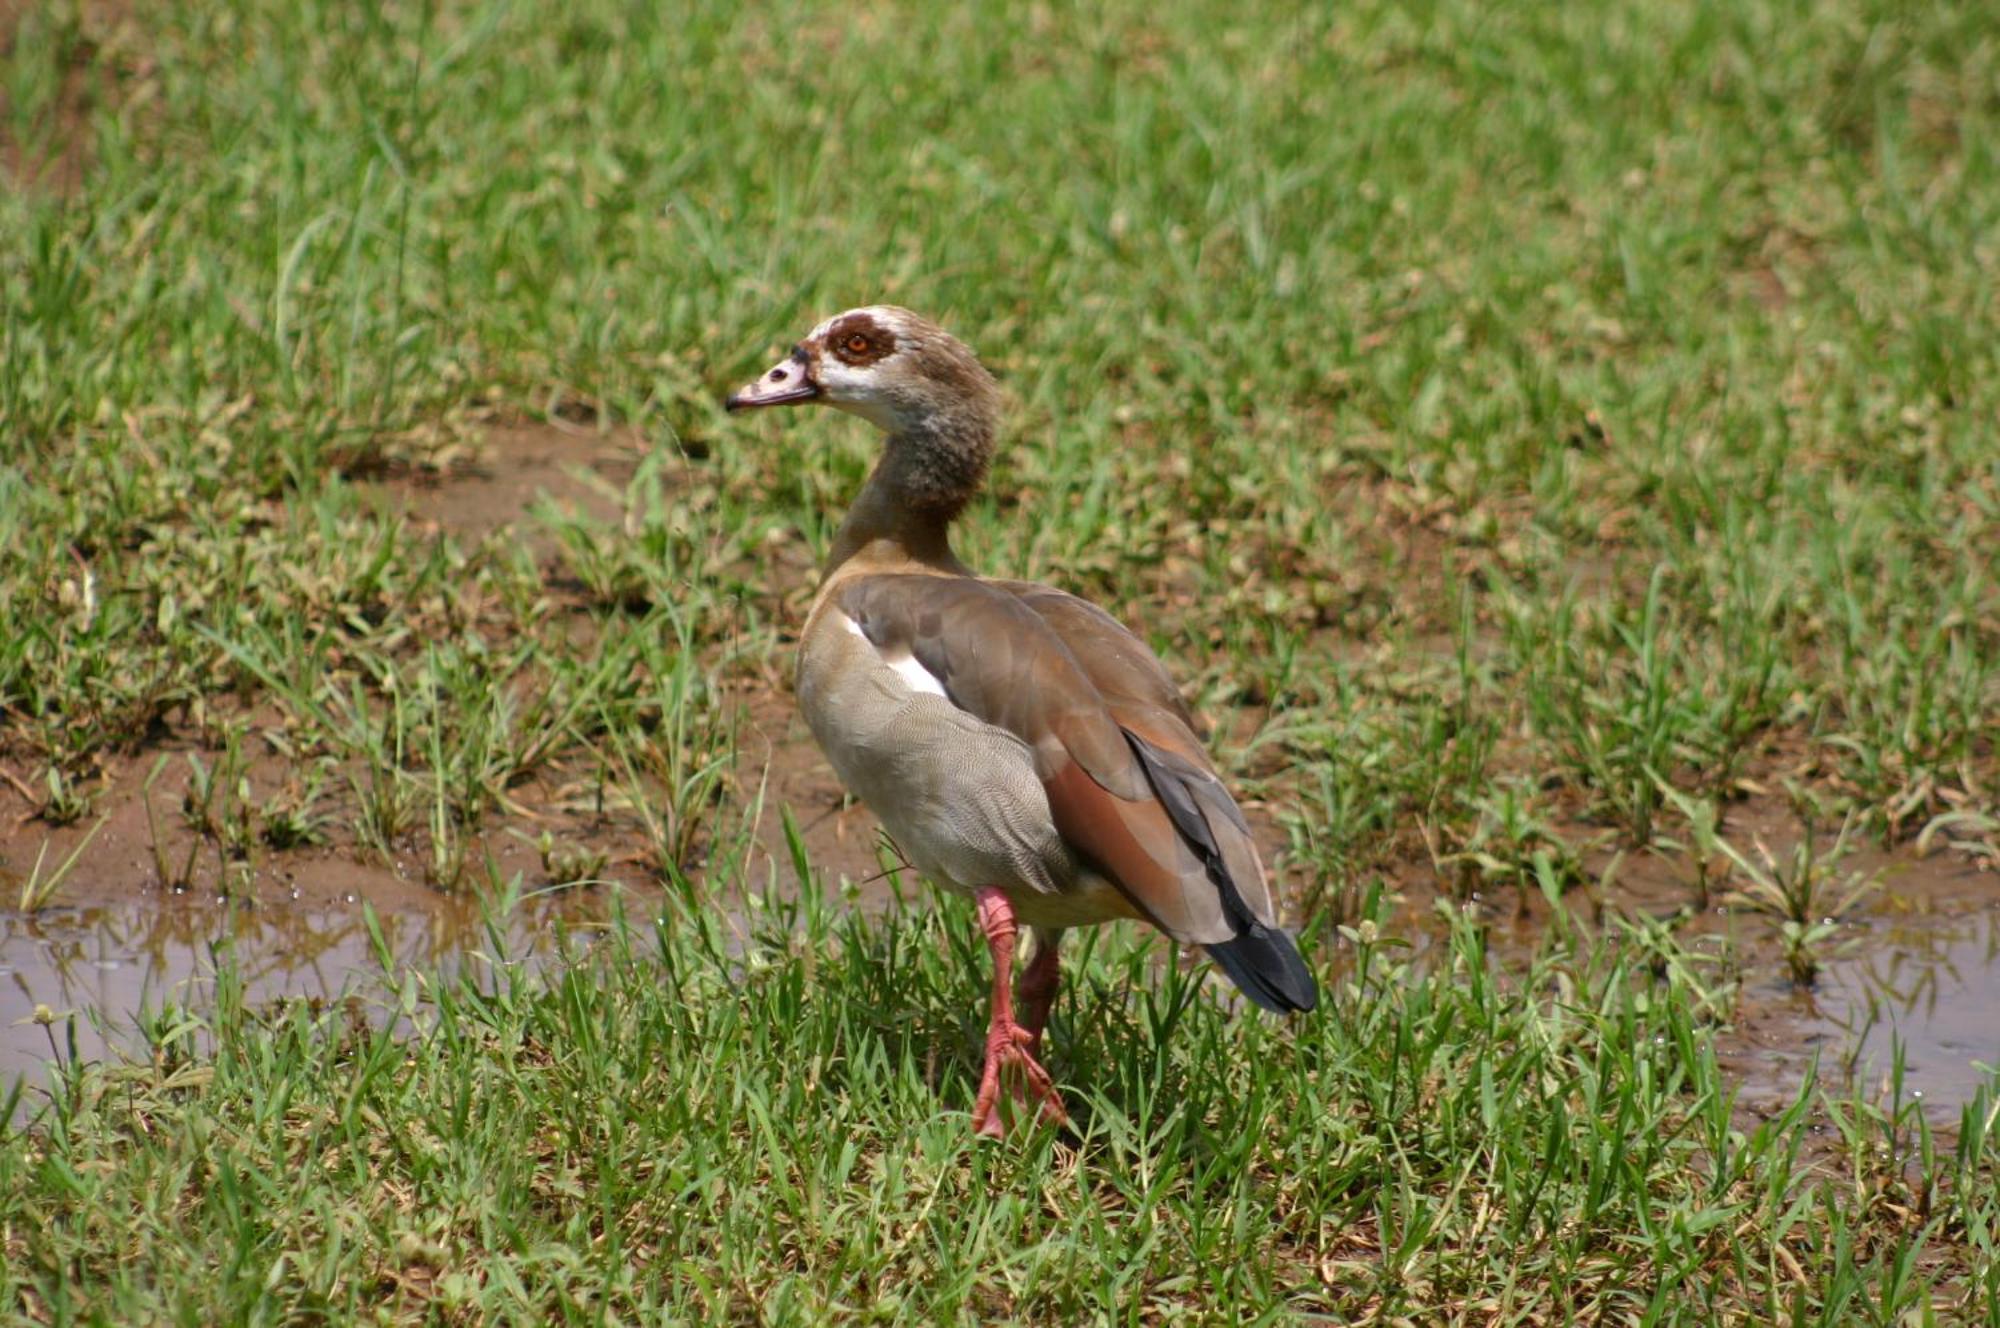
[857, 344]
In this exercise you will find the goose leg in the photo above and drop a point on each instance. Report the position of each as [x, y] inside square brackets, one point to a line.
[1008, 1044]
[1039, 983]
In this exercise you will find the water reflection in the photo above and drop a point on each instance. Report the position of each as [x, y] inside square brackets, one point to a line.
[1927, 980]
[1932, 986]
[116, 959]
[1919, 975]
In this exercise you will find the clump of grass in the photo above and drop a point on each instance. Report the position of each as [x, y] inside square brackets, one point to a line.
[674, 742]
[292, 816]
[1966, 830]
[1703, 846]
[65, 799]
[1804, 890]
[570, 864]
[218, 804]
[169, 874]
[697, 1102]
[1512, 844]
[44, 882]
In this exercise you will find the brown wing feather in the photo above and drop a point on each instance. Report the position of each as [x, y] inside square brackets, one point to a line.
[1143, 701]
[1071, 682]
[1135, 845]
[1125, 670]
[1000, 661]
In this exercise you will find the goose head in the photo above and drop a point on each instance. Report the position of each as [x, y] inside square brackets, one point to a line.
[896, 369]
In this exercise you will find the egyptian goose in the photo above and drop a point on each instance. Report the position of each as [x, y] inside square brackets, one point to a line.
[1019, 744]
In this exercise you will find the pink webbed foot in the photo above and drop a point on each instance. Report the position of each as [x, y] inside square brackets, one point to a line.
[1010, 1047]
[1011, 1065]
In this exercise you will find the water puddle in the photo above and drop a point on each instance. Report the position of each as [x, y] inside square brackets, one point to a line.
[1922, 983]
[102, 963]
[1919, 972]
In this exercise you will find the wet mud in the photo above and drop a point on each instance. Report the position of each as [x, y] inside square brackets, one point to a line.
[1907, 1008]
[1913, 972]
[92, 969]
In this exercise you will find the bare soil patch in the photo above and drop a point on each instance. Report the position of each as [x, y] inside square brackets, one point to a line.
[56, 152]
[151, 893]
[1915, 965]
[578, 468]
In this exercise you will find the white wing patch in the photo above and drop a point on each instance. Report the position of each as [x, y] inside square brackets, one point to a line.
[901, 662]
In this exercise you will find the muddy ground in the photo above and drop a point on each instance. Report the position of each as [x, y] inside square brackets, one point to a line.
[149, 901]
[52, 150]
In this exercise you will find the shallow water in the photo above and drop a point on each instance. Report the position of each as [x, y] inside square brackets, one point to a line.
[102, 963]
[1919, 972]
[1925, 985]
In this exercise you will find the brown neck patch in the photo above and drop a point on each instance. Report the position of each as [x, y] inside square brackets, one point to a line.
[857, 339]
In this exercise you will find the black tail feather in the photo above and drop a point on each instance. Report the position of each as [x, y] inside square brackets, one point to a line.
[1266, 965]
[1262, 960]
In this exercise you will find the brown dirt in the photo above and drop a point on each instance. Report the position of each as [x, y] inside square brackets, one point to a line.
[1923, 956]
[577, 467]
[58, 151]
[137, 854]
[582, 469]
[142, 844]
[1916, 962]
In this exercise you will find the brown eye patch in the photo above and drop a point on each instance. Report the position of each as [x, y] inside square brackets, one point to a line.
[859, 340]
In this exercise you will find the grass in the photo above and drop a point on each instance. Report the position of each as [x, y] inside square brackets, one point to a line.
[1806, 891]
[44, 880]
[696, 1126]
[1529, 432]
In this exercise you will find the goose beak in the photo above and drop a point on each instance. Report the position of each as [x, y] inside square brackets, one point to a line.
[788, 381]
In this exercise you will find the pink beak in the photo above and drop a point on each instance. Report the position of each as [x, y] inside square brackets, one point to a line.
[786, 382]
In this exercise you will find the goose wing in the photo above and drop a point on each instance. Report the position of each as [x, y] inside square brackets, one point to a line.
[1129, 785]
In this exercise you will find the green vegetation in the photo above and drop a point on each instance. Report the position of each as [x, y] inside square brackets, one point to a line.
[702, 1127]
[1535, 433]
